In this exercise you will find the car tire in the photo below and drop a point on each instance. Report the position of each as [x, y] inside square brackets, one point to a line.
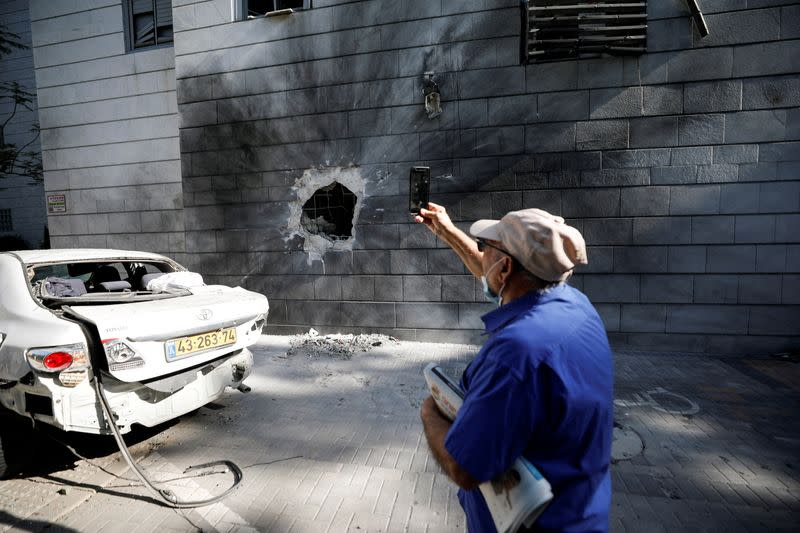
[4, 468]
[11, 443]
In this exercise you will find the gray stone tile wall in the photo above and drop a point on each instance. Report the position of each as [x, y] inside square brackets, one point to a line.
[109, 133]
[680, 166]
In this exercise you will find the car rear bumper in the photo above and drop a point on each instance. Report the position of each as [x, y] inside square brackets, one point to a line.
[78, 409]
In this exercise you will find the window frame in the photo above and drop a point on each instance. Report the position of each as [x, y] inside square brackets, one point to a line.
[127, 16]
[241, 9]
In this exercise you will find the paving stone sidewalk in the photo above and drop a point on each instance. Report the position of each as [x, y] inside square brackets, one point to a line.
[331, 443]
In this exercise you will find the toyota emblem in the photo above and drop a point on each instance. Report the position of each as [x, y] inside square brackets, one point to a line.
[205, 314]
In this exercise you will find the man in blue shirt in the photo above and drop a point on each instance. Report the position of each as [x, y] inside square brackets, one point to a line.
[542, 385]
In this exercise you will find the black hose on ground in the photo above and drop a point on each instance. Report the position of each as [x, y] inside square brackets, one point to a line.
[166, 495]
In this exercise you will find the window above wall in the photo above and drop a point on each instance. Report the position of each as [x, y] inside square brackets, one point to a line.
[260, 8]
[148, 23]
[555, 30]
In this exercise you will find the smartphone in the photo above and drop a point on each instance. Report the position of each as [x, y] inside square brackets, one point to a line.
[419, 181]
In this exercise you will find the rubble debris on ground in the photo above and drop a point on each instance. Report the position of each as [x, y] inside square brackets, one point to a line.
[337, 345]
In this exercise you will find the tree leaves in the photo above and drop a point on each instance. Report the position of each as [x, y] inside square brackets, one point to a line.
[9, 41]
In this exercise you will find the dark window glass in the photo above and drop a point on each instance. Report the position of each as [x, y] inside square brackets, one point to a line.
[149, 22]
[257, 8]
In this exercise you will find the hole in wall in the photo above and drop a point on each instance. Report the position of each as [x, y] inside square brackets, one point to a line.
[329, 212]
[326, 210]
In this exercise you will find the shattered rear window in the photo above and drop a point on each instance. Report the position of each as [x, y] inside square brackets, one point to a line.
[94, 278]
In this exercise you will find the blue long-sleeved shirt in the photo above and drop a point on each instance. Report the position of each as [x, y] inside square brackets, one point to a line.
[541, 387]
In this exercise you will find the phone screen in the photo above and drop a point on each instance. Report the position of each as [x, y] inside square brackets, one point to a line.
[419, 182]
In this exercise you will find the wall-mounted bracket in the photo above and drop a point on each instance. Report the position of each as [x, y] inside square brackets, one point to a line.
[433, 104]
[698, 17]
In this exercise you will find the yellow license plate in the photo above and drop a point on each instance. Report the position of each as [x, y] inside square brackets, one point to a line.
[178, 348]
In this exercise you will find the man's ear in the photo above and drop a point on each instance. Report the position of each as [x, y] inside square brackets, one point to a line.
[507, 268]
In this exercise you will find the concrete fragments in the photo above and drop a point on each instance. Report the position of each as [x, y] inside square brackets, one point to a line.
[336, 345]
[317, 225]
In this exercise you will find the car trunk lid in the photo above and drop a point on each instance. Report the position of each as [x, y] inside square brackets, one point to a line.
[153, 329]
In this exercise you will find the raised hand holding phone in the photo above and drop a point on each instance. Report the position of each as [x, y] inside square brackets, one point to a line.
[419, 184]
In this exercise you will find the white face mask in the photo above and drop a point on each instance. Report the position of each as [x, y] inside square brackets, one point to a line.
[497, 299]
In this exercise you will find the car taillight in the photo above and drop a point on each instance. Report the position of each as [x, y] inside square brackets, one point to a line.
[72, 378]
[258, 323]
[58, 358]
[120, 355]
[117, 351]
[57, 361]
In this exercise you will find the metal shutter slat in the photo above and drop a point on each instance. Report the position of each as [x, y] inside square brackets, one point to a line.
[164, 12]
[562, 29]
[141, 6]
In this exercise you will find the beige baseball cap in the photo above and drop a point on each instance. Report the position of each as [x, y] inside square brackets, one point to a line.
[543, 244]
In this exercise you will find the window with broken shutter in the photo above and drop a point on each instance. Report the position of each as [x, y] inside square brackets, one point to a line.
[563, 29]
[260, 8]
[149, 23]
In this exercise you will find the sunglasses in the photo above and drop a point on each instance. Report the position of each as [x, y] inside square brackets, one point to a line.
[483, 244]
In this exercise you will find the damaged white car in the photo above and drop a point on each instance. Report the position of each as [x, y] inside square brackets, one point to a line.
[162, 342]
